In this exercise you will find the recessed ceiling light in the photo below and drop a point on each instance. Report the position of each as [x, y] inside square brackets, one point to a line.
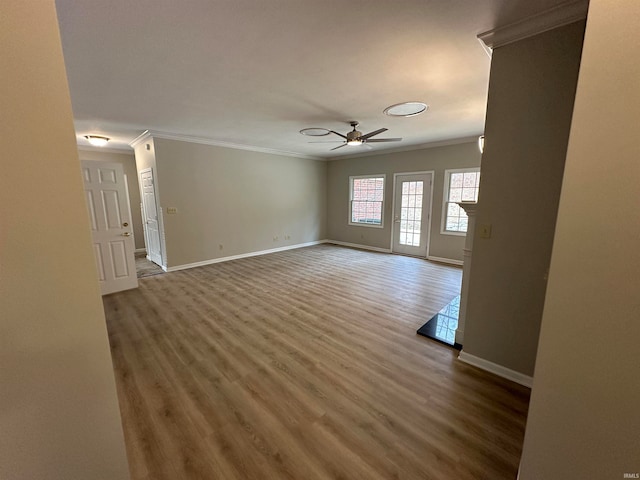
[97, 140]
[315, 132]
[406, 109]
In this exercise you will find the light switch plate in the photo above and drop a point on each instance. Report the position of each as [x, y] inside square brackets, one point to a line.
[172, 210]
[485, 230]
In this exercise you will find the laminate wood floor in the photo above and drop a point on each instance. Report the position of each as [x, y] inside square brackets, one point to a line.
[305, 365]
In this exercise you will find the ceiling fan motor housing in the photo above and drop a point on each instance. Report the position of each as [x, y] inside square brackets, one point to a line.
[353, 135]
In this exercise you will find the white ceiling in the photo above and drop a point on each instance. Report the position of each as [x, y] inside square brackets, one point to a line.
[255, 72]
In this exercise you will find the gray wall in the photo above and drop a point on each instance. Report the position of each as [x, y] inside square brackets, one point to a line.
[59, 415]
[531, 95]
[583, 418]
[128, 162]
[462, 155]
[245, 201]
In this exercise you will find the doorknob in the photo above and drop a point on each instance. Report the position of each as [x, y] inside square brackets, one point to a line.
[126, 234]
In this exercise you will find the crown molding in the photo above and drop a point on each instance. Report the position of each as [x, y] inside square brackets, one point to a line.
[139, 139]
[216, 143]
[558, 16]
[89, 148]
[410, 148]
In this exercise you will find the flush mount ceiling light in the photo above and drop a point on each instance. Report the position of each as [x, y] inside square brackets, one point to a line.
[315, 132]
[406, 109]
[97, 140]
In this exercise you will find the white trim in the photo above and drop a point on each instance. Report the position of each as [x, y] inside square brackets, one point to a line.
[217, 143]
[496, 369]
[450, 261]
[558, 16]
[350, 205]
[140, 250]
[432, 175]
[139, 139]
[361, 247]
[242, 255]
[119, 151]
[408, 148]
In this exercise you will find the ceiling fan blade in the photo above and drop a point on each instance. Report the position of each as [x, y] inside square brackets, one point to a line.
[339, 146]
[328, 141]
[339, 134]
[376, 140]
[371, 134]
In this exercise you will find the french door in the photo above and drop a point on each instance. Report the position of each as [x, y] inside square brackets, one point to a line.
[412, 213]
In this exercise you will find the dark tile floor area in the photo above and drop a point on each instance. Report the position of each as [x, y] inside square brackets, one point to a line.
[442, 327]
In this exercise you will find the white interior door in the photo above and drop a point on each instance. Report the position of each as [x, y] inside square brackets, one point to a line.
[150, 216]
[412, 213]
[110, 217]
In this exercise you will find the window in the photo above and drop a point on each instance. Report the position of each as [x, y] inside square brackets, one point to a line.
[367, 198]
[459, 186]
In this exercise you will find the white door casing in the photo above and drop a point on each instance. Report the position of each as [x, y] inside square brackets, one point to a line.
[111, 229]
[150, 216]
[412, 199]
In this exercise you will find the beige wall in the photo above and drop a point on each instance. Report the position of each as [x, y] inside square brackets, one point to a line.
[128, 162]
[531, 93]
[239, 199]
[437, 158]
[584, 419]
[59, 416]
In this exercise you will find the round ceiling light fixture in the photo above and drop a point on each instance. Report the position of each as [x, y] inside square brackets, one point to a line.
[315, 132]
[406, 109]
[97, 140]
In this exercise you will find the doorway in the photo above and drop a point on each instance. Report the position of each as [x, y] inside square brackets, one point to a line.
[150, 216]
[412, 198]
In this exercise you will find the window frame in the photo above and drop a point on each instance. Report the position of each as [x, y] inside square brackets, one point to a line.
[382, 203]
[445, 199]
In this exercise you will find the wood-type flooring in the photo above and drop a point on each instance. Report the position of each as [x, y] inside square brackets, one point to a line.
[305, 365]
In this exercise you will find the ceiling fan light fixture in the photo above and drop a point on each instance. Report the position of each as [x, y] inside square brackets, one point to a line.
[97, 140]
[406, 109]
[354, 143]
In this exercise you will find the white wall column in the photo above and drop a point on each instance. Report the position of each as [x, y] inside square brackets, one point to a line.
[470, 208]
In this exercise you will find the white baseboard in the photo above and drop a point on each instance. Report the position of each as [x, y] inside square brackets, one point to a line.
[140, 250]
[496, 369]
[242, 255]
[450, 261]
[361, 247]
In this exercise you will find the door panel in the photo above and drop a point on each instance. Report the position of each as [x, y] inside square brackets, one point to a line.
[111, 228]
[412, 213]
[150, 216]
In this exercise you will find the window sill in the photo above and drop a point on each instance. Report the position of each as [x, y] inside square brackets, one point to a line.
[368, 225]
[454, 234]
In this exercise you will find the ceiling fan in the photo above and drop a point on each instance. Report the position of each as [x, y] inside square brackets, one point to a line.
[353, 138]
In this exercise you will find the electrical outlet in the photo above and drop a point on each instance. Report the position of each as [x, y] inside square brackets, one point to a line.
[172, 210]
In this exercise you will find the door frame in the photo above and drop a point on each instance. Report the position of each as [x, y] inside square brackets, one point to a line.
[432, 173]
[159, 219]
